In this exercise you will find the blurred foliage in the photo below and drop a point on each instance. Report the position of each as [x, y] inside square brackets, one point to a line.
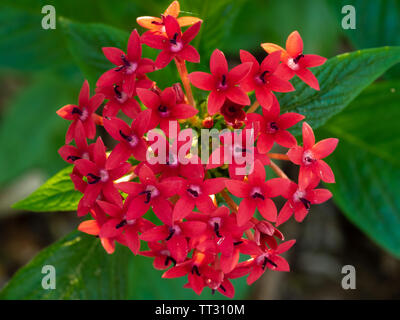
[367, 163]
[341, 79]
[31, 132]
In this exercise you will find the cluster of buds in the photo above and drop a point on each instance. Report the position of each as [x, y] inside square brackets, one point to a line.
[198, 230]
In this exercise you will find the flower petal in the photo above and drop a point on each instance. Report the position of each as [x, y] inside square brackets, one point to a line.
[237, 95]
[202, 80]
[215, 102]
[246, 211]
[308, 136]
[134, 47]
[324, 147]
[294, 44]
[267, 209]
[218, 63]
[113, 55]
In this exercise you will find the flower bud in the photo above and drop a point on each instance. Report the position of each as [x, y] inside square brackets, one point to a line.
[208, 123]
[180, 96]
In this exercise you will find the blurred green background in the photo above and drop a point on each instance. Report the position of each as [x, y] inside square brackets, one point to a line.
[42, 70]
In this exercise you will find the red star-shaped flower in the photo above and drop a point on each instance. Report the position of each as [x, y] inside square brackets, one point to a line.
[221, 82]
[256, 193]
[83, 112]
[272, 127]
[130, 65]
[294, 61]
[150, 193]
[195, 191]
[176, 236]
[131, 141]
[300, 199]
[121, 97]
[310, 156]
[156, 25]
[163, 108]
[264, 258]
[174, 43]
[262, 78]
[100, 179]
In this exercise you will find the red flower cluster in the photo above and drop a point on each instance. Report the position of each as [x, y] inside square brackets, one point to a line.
[194, 233]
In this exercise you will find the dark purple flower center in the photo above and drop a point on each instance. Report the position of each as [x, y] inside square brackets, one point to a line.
[73, 158]
[257, 194]
[296, 60]
[306, 203]
[163, 111]
[266, 261]
[223, 83]
[272, 127]
[93, 178]
[194, 191]
[195, 270]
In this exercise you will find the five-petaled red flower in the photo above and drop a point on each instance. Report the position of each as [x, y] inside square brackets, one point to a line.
[264, 258]
[100, 179]
[163, 108]
[257, 193]
[221, 82]
[195, 191]
[300, 198]
[83, 112]
[129, 65]
[156, 25]
[309, 157]
[176, 237]
[272, 127]
[131, 141]
[150, 193]
[263, 79]
[174, 44]
[294, 61]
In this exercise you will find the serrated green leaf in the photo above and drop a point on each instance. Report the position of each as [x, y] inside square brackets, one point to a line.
[366, 163]
[341, 79]
[56, 194]
[85, 271]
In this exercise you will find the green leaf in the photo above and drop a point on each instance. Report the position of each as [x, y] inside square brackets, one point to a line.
[273, 21]
[57, 194]
[218, 20]
[367, 163]
[379, 22]
[85, 42]
[26, 46]
[85, 271]
[341, 79]
[31, 132]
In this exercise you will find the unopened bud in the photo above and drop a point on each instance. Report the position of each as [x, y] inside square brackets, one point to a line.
[208, 123]
[237, 124]
[180, 96]
[156, 90]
